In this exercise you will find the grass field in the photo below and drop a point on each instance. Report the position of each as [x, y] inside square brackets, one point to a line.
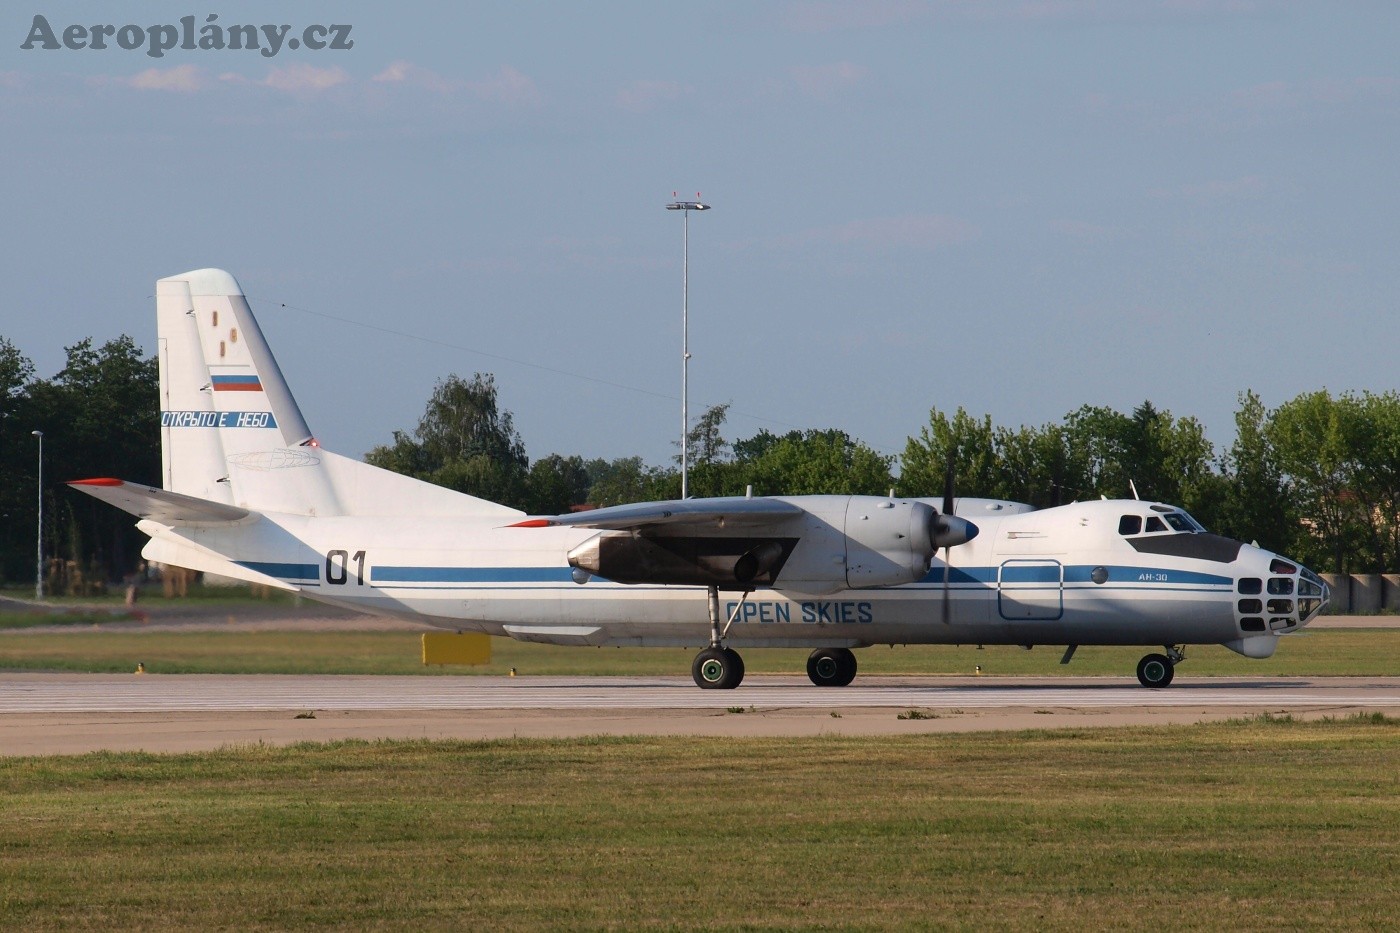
[1335, 652]
[1261, 824]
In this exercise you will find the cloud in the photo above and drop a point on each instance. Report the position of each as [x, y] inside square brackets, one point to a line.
[826, 81]
[411, 75]
[508, 87]
[13, 80]
[1264, 104]
[642, 96]
[184, 79]
[298, 79]
[846, 15]
[842, 16]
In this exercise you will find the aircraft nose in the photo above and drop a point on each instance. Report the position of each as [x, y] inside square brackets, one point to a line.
[1285, 597]
[1313, 595]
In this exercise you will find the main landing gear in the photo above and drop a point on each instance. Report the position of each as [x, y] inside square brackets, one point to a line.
[718, 667]
[721, 668]
[831, 667]
[1157, 670]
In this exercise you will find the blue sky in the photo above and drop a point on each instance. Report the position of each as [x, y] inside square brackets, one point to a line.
[1017, 207]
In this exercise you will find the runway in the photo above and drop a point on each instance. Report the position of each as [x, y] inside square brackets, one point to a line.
[68, 713]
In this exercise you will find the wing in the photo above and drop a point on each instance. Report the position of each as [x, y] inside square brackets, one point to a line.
[727, 540]
[168, 508]
[678, 516]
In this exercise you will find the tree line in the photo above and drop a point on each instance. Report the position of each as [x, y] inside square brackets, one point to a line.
[1317, 478]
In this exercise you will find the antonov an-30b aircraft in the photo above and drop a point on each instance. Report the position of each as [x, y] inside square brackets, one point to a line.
[248, 492]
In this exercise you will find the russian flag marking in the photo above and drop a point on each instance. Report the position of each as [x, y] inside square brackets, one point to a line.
[240, 383]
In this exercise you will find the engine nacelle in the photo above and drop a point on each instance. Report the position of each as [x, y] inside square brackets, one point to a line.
[888, 542]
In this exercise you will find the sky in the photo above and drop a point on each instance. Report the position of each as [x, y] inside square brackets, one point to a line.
[1017, 207]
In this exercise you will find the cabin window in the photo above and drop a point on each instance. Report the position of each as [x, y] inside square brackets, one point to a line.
[1252, 625]
[1155, 524]
[1248, 606]
[1130, 524]
[1250, 586]
[1280, 586]
[1280, 605]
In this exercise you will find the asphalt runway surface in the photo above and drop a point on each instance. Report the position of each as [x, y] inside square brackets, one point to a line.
[74, 713]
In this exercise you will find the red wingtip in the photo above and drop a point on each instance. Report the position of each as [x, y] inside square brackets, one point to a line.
[532, 523]
[100, 481]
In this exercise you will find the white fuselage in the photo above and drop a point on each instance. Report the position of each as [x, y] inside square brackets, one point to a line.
[1061, 576]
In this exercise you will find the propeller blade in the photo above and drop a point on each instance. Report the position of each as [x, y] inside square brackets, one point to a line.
[947, 558]
[948, 486]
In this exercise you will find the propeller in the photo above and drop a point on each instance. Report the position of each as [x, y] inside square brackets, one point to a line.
[947, 513]
[948, 530]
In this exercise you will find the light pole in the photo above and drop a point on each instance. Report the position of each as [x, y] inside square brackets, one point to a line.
[39, 537]
[685, 207]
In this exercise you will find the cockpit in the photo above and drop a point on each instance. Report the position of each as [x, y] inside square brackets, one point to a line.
[1165, 520]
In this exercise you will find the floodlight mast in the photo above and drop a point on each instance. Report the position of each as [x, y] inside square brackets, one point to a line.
[685, 207]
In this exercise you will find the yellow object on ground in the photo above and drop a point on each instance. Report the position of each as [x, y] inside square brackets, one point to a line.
[456, 648]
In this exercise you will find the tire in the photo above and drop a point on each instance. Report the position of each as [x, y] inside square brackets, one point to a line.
[717, 669]
[831, 667]
[1155, 670]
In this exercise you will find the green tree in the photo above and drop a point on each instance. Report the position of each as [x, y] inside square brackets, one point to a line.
[1257, 504]
[628, 479]
[815, 463]
[101, 417]
[464, 441]
[968, 443]
[1165, 459]
[18, 463]
[555, 483]
[1314, 437]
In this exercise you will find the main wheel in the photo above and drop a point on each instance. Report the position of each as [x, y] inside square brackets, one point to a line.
[831, 667]
[1155, 670]
[717, 669]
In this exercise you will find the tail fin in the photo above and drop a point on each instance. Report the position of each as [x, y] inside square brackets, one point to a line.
[232, 433]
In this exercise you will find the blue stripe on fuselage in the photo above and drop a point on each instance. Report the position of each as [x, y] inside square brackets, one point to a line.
[470, 574]
[1046, 573]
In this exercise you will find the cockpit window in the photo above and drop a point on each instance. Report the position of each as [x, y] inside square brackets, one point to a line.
[1180, 522]
[1155, 524]
[1130, 524]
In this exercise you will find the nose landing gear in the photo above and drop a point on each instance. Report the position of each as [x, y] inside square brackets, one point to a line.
[1157, 670]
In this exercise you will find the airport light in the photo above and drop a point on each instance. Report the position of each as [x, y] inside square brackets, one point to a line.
[39, 537]
[685, 207]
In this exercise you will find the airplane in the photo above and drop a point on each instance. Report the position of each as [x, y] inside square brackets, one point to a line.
[248, 492]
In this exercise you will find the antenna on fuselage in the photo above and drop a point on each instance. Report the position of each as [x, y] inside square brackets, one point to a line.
[1133, 487]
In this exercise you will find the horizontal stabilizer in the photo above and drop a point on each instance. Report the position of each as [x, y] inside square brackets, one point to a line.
[168, 508]
[719, 512]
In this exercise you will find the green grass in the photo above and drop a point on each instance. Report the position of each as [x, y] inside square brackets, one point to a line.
[1327, 652]
[151, 595]
[1247, 825]
[18, 620]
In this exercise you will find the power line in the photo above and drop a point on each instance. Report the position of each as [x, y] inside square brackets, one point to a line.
[526, 363]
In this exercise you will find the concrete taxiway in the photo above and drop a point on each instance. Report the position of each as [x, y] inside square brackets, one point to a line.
[71, 713]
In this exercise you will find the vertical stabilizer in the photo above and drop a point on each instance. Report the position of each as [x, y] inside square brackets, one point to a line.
[230, 429]
[232, 433]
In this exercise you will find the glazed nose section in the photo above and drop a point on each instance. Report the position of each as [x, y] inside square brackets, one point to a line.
[1283, 599]
[1313, 595]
